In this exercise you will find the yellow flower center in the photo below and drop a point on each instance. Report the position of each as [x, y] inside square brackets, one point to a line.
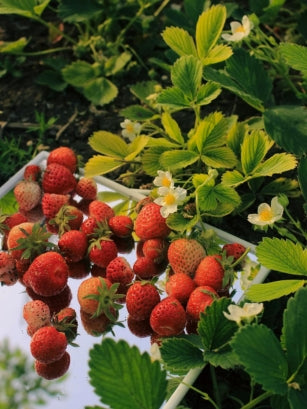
[130, 128]
[169, 199]
[265, 215]
[240, 29]
[166, 182]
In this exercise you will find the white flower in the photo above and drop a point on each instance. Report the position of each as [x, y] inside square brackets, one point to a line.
[164, 179]
[130, 129]
[154, 352]
[238, 30]
[169, 199]
[267, 215]
[246, 313]
[249, 272]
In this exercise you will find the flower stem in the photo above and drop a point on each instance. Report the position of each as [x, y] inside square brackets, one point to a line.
[257, 400]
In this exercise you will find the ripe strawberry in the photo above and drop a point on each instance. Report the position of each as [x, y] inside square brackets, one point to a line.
[37, 314]
[8, 271]
[199, 300]
[155, 249]
[100, 211]
[180, 286]
[17, 232]
[68, 217]
[210, 272]
[48, 345]
[119, 271]
[55, 369]
[168, 317]
[73, 245]
[66, 321]
[101, 252]
[64, 156]
[150, 224]
[141, 298]
[55, 302]
[121, 225]
[235, 250]
[52, 203]
[95, 326]
[145, 268]
[27, 194]
[87, 188]
[32, 172]
[184, 255]
[58, 179]
[88, 226]
[47, 274]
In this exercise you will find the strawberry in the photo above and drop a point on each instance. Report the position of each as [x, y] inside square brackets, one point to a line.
[155, 249]
[119, 271]
[100, 211]
[199, 300]
[88, 226]
[55, 302]
[95, 326]
[58, 179]
[145, 268]
[87, 188]
[37, 315]
[55, 369]
[27, 194]
[101, 252]
[52, 203]
[8, 271]
[210, 272]
[68, 217]
[141, 298]
[235, 250]
[73, 245]
[9, 221]
[180, 286]
[16, 232]
[168, 317]
[47, 274]
[184, 255]
[66, 321]
[150, 224]
[64, 156]
[121, 225]
[32, 172]
[140, 329]
[48, 344]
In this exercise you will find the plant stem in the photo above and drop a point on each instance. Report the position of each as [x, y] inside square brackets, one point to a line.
[257, 400]
[43, 52]
[215, 386]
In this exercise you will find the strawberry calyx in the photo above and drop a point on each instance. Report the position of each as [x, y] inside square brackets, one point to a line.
[68, 326]
[62, 219]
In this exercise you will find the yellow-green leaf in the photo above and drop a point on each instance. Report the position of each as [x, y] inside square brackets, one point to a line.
[13, 46]
[172, 128]
[274, 290]
[178, 159]
[232, 178]
[180, 41]
[254, 148]
[278, 163]
[99, 165]
[218, 54]
[222, 157]
[109, 144]
[137, 145]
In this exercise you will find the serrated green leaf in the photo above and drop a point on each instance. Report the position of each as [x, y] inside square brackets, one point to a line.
[177, 222]
[274, 290]
[208, 29]
[143, 89]
[109, 144]
[174, 98]
[106, 196]
[100, 91]
[137, 113]
[186, 74]
[295, 56]
[100, 165]
[74, 11]
[207, 93]
[52, 79]
[221, 157]
[178, 159]
[214, 328]
[78, 73]
[118, 371]
[294, 331]
[293, 261]
[172, 128]
[162, 142]
[8, 203]
[136, 146]
[23, 8]
[12, 47]
[40, 7]
[179, 355]
[232, 178]
[225, 359]
[116, 63]
[151, 160]
[210, 196]
[281, 185]
[217, 54]
[297, 398]
[278, 163]
[180, 41]
[302, 176]
[287, 126]
[261, 355]
[254, 147]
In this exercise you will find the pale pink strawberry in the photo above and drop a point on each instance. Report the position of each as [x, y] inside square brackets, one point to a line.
[184, 255]
[28, 194]
[37, 314]
[8, 270]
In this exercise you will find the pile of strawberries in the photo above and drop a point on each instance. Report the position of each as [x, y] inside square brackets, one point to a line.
[63, 231]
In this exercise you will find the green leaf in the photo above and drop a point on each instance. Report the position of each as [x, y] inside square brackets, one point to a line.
[278, 163]
[151, 160]
[116, 63]
[40, 7]
[125, 378]
[294, 332]
[287, 126]
[232, 178]
[180, 41]
[172, 128]
[207, 93]
[100, 91]
[25, 8]
[218, 54]
[274, 290]
[222, 157]
[214, 328]
[179, 355]
[78, 73]
[142, 90]
[186, 74]
[253, 150]
[178, 159]
[208, 29]
[12, 47]
[173, 97]
[107, 196]
[297, 398]
[261, 355]
[8, 204]
[52, 79]
[302, 176]
[295, 56]
[177, 222]
[136, 146]
[137, 113]
[109, 144]
[293, 260]
[75, 11]
[210, 196]
[100, 165]
[226, 358]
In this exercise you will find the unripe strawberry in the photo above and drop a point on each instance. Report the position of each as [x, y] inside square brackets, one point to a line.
[37, 314]
[27, 194]
[184, 255]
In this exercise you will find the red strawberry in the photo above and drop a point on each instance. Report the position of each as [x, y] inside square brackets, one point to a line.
[100, 211]
[47, 274]
[8, 270]
[101, 252]
[119, 271]
[150, 224]
[184, 255]
[141, 298]
[48, 345]
[64, 156]
[52, 203]
[95, 326]
[210, 271]
[73, 245]
[58, 179]
[146, 268]
[32, 172]
[199, 300]
[55, 302]
[155, 249]
[88, 226]
[87, 188]
[55, 369]
[27, 194]
[121, 225]
[37, 314]
[180, 286]
[67, 218]
[235, 250]
[66, 322]
[168, 317]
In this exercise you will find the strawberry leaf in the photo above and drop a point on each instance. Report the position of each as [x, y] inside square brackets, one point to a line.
[274, 290]
[125, 378]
